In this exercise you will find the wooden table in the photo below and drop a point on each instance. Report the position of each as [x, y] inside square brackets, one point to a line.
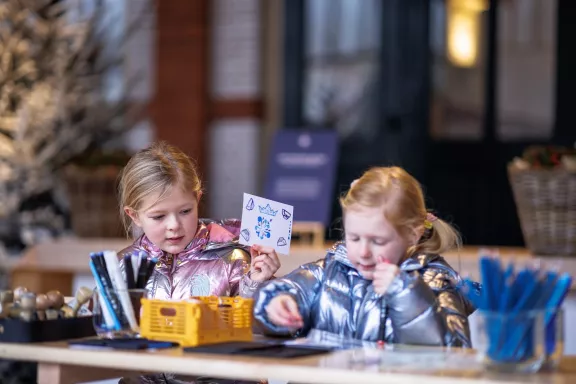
[59, 364]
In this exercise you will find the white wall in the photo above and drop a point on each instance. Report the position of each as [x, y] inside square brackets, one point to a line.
[234, 144]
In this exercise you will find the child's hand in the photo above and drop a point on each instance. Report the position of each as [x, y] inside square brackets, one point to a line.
[283, 311]
[383, 276]
[264, 264]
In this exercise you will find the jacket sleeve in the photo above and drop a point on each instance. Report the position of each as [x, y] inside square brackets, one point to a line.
[427, 310]
[302, 284]
[239, 278]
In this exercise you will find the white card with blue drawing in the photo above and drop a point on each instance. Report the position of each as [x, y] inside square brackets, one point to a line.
[266, 222]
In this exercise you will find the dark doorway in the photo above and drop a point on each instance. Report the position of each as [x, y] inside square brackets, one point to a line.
[403, 96]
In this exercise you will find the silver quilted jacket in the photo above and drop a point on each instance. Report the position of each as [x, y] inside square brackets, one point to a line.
[422, 307]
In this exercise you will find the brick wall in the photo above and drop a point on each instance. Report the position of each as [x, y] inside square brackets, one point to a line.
[205, 68]
[179, 109]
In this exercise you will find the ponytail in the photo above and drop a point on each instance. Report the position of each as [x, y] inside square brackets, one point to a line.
[441, 238]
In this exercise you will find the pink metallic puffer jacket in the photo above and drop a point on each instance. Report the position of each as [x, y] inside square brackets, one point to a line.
[206, 267]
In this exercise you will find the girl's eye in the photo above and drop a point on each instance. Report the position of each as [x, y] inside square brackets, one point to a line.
[353, 239]
[157, 217]
[186, 211]
[379, 242]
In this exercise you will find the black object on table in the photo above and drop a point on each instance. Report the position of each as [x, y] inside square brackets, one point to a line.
[128, 343]
[260, 349]
[19, 331]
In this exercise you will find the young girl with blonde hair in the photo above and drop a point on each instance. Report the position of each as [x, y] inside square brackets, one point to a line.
[159, 193]
[385, 282]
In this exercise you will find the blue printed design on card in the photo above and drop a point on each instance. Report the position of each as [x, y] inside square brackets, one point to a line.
[262, 228]
[285, 214]
[267, 210]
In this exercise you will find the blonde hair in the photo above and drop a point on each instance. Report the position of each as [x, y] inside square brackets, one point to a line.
[402, 200]
[154, 170]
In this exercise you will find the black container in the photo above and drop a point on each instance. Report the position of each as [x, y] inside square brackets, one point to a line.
[18, 331]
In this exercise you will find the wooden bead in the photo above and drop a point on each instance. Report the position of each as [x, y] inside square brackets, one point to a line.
[56, 299]
[42, 302]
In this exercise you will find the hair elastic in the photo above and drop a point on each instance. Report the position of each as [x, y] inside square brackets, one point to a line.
[430, 218]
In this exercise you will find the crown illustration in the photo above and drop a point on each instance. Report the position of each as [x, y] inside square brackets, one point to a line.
[267, 210]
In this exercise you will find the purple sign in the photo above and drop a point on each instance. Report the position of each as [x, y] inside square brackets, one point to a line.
[301, 173]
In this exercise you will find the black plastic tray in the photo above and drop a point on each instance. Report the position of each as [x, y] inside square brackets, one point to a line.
[18, 331]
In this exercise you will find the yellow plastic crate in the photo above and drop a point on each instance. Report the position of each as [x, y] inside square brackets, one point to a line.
[212, 320]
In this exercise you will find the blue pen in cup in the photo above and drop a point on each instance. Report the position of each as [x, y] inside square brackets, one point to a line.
[554, 340]
[518, 315]
[511, 342]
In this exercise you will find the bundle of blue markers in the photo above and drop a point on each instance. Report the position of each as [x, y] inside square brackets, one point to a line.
[113, 286]
[514, 305]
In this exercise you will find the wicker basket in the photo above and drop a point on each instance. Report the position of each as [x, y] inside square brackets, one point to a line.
[546, 204]
[93, 201]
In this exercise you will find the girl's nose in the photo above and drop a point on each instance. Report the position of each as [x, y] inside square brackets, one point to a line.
[173, 223]
[365, 250]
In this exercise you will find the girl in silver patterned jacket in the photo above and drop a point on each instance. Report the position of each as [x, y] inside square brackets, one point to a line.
[385, 282]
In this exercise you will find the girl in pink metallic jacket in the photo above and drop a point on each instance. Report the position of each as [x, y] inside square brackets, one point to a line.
[159, 193]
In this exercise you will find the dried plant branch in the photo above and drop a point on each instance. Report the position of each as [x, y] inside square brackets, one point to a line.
[53, 104]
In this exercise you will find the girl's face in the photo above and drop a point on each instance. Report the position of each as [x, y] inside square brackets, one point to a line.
[170, 223]
[370, 239]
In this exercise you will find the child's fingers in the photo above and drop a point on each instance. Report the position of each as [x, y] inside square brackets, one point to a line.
[254, 251]
[265, 259]
[263, 249]
[273, 257]
[280, 313]
[283, 321]
[276, 316]
[286, 307]
[278, 320]
[385, 268]
[264, 269]
[259, 259]
[384, 275]
[291, 307]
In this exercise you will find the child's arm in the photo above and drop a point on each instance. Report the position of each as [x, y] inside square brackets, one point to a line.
[428, 310]
[302, 285]
[242, 282]
[239, 278]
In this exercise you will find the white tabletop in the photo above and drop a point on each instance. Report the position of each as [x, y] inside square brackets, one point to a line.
[367, 366]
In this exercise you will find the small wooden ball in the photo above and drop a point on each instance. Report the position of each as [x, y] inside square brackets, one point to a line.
[42, 302]
[56, 299]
